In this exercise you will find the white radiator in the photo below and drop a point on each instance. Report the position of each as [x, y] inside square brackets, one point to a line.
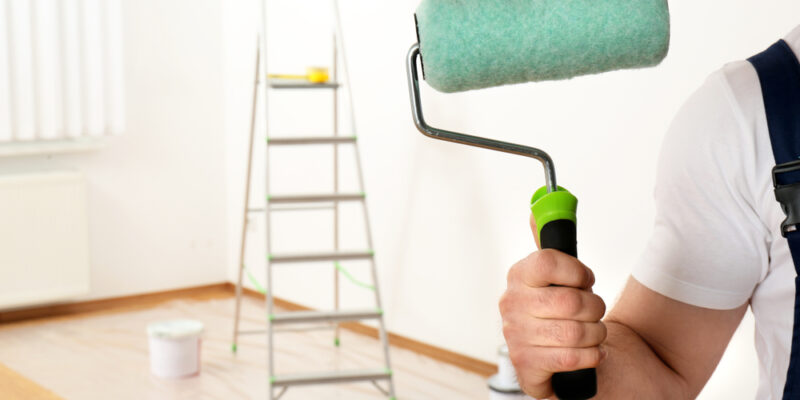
[61, 75]
[44, 246]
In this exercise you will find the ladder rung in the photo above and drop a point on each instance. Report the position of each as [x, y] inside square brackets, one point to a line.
[305, 207]
[297, 317]
[288, 84]
[330, 256]
[285, 141]
[331, 377]
[315, 198]
[309, 328]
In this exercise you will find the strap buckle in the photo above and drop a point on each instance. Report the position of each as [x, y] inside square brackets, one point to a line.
[788, 195]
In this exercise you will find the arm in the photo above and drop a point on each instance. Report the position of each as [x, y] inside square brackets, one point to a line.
[649, 347]
[662, 348]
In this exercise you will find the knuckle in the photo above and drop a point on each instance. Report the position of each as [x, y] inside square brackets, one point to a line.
[544, 262]
[590, 276]
[570, 302]
[566, 360]
[601, 306]
[603, 332]
[513, 273]
[568, 333]
[595, 357]
[517, 358]
[505, 302]
[510, 302]
[563, 333]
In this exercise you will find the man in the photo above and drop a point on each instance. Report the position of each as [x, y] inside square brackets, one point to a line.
[716, 248]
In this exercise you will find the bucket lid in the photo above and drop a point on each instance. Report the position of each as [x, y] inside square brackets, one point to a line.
[175, 328]
[502, 385]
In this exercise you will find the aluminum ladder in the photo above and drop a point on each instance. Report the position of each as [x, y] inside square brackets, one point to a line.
[278, 384]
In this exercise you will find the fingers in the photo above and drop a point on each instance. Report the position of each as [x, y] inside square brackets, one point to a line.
[550, 267]
[551, 319]
[555, 333]
[557, 359]
[535, 365]
[554, 303]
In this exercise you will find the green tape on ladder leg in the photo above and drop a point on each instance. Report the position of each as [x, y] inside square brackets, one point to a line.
[336, 342]
[233, 348]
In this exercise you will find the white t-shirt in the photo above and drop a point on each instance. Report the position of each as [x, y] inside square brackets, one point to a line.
[717, 241]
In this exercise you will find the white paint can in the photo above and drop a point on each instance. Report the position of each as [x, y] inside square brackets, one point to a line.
[175, 348]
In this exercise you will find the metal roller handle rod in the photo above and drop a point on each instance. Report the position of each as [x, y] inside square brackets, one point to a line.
[476, 141]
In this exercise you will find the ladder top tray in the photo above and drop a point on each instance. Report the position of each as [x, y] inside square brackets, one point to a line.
[298, 84]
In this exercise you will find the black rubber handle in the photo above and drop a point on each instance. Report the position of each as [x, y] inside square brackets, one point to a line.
[575, 385]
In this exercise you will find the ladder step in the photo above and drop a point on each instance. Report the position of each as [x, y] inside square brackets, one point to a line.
[315, 198]
[289, 84]
[299, 317]
[284, 141]
[328, 256]
[330, 377]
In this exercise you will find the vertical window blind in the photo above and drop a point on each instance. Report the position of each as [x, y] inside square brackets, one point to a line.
[61, 72]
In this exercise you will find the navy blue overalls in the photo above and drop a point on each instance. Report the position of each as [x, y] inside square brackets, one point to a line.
[779, 73]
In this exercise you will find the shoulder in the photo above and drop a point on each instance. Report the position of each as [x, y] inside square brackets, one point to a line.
[709, 242]
[715, 134]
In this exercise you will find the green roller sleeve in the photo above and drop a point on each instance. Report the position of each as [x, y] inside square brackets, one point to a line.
[473, 44]
[549, 207]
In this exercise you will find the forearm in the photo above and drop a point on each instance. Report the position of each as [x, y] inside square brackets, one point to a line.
[633, 370]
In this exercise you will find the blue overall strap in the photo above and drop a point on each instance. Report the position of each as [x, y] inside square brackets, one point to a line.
[779, 73]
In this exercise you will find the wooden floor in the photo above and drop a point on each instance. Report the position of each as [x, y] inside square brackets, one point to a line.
[104, 356]
[14, 386]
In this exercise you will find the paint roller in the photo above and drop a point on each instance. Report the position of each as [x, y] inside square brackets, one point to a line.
[473, 44]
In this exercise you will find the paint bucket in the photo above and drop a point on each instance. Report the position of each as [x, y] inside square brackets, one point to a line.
[504, 385]
[175, 348]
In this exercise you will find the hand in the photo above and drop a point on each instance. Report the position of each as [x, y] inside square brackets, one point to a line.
[551, 319]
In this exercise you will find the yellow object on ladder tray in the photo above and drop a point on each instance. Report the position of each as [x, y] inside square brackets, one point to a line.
[313, 75]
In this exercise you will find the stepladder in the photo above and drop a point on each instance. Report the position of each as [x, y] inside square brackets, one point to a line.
[332, 259]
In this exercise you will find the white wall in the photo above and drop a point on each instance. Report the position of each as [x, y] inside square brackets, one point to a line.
[157, 193]
[450, 220]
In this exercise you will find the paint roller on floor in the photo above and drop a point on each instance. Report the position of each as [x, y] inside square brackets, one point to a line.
[473, 44]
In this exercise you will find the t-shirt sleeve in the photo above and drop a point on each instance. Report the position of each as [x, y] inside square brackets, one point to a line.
[708, 246]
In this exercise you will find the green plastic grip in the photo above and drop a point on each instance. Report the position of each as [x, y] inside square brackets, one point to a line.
[549, 207]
